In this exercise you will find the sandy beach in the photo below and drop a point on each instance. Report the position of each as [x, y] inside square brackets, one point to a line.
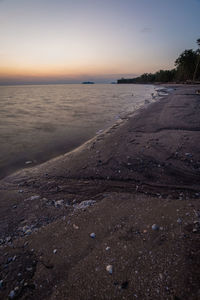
[117, 218]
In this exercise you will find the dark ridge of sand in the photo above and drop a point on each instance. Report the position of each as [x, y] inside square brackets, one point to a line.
[142, 171]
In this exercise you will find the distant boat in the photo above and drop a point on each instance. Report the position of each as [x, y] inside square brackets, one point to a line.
[87, 82]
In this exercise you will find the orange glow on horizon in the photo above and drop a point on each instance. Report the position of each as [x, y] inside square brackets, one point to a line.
[110, 39]
[49, 71]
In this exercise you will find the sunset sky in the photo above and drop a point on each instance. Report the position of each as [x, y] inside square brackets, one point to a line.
[101, 40]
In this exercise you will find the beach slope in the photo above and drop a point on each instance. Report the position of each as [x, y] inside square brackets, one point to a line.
[136, 187]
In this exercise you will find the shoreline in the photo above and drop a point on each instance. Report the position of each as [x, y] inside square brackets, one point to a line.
[165, 90]
[67, 141]
[138, 173]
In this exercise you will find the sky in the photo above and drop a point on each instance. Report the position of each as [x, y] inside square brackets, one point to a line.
[71, 41]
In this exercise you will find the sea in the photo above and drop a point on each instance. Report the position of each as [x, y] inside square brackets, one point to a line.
[39, 122]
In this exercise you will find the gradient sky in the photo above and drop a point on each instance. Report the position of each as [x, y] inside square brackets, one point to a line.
[75, 40]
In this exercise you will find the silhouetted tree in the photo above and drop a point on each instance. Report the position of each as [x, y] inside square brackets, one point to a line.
[187, 69]
[165, 75]
[185, 64]
[198, 60]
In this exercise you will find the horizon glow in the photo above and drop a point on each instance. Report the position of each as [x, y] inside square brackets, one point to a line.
[102, 39]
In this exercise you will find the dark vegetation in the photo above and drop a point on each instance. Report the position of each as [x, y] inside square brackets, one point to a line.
[187, 69]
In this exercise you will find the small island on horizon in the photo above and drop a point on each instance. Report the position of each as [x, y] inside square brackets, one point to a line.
[87, 82]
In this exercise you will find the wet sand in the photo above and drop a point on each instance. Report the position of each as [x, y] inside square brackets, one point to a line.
[142, 171]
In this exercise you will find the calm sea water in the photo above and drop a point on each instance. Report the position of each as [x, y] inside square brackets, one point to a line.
[38, 122]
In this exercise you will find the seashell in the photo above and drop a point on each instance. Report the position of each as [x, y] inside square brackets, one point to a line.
[109, 269]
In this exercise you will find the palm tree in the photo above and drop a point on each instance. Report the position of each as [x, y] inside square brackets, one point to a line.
[198, 60]
[185, 64]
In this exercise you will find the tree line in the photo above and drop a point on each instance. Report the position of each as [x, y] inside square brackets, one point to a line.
[187, 70]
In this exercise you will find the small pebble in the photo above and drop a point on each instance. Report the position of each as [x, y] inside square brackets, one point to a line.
[25, 228]
[8, 239]
[12, 295]
[9, 260]
[188, 154]
[107, 248]
[35, 197]
[84, 204]
[75, 226]
[28, 232]
[92, 235]
[155, 227]
[109, 269]
[1, 284]
[58, 203]
[179, 221]
[55, 251]
[196, 222]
